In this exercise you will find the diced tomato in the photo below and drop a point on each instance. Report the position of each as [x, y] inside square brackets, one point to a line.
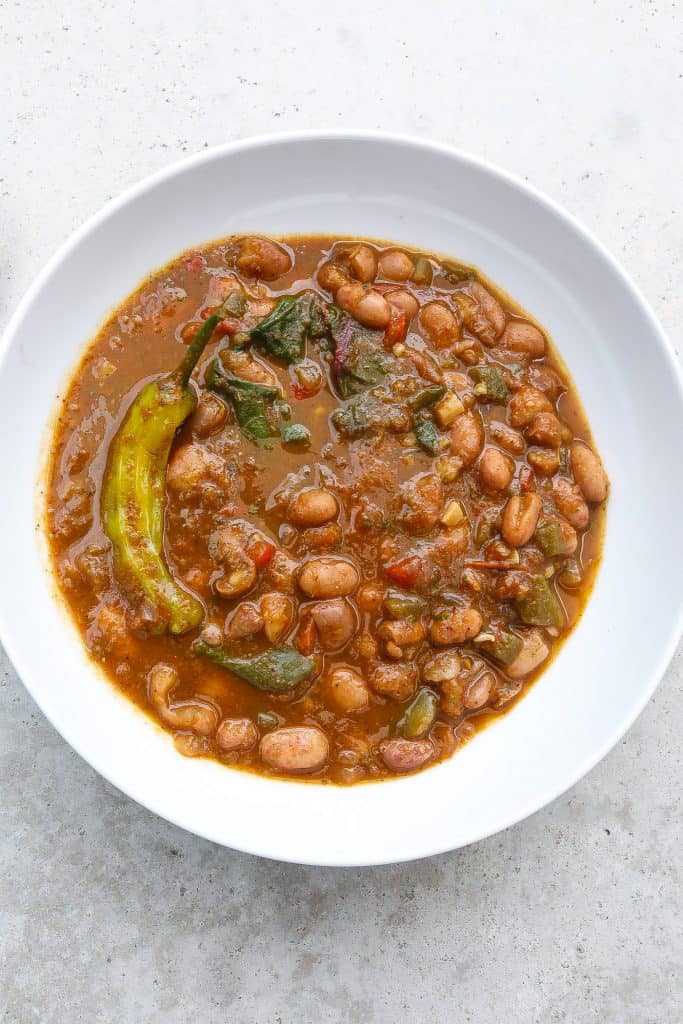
[260, 551]
[405, 572]
[300, 392]
[195, 263]
[305, 638]
[526, 479]
[227, 326]
[207, 312]
[397, 328]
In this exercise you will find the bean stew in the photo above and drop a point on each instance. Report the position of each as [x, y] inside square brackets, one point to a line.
[323, 507]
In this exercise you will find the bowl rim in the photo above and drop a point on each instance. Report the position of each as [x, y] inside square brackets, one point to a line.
[261, 142]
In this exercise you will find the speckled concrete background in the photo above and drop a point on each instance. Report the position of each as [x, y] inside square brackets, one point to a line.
[109, 915]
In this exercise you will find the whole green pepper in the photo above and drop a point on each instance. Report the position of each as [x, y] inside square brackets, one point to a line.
[134, 489]
[277, 670]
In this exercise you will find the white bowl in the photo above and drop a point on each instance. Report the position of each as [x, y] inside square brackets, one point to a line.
[424, 195]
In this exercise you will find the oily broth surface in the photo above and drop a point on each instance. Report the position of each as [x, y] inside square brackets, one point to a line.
[142, 339]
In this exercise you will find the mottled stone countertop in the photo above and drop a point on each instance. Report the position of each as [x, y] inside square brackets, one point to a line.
[109, 915]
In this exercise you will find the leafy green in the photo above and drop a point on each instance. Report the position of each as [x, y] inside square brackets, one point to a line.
[296, 433]
[293, 320]
[250, 401]
[277, 670]
[427, 436]
[360, 361]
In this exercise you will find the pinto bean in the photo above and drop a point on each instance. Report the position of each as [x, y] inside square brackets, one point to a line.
[519, 519]
[534, 651]
[313, 507]
[244, 621]
[404, 301]
[479, 691]
[209, 415]
[525, 404]
[395, 265]
[588, 472]
[467, 437]
[570, 503]
[331, 277]
[545, 429]
[370, 597]
[367, 306]
[442, 666]
[423, 499]
[281, 572]
[328, 576]
[395, 681]
[363, 263]
[346, 690]
[297, 748]
[509, 439]
[262, 257]
[542, 461]
[278, 613]
[489, 306]
[191, 466]
[402, 632]
[193, 715]
[247, 366]
[495, 469]
[404, 756]
[236, 735]
[521, 336]
[455, 626]
[439, 324]
[335, 622]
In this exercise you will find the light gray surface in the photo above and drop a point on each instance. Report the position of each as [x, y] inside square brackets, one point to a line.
[108, 914]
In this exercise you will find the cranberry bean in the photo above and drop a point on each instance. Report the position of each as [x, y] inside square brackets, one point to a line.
[588, 472]
[521, 336]
[439, 324]
[278, 612]
[467, 437]
[261, 257]
[455, 626]
[404, 301]
[479, 691]
[495, 469]
[395, 265]
[395, 681]
[525, 404]
[335, 623]
[346, 690]
[519, 519]
[192, 715]
[403, 756]
[298, 748]
[363, 263]
[545, 429]
[328, 577]
[313, 507]
[569, 503]
[534, 651]
[236, 735]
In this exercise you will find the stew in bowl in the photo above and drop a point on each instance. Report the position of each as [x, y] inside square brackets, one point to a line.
[323, 506]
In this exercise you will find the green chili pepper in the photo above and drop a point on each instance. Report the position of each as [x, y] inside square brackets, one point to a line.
[427, 436]
[277, 671]
[503, 646]
[490, 383]
[249, 400]
[539, 606]
[419, 716]
[134, 488]
[428, 396]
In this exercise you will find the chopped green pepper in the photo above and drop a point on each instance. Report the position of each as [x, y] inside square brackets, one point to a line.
[236, 304]
[504, 646]
[277, 670]
[422, 271]
[420, 716]
[404, 606]
[427, 436]
[550, 538]
[490, 383]
[249, 400]
[539, 606]
[426, 397]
